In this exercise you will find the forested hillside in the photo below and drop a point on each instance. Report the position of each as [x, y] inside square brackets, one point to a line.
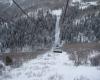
[34, 32]
[82, 22]
[17, 31]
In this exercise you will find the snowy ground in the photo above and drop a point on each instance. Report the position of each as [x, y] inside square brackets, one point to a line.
[52, 66]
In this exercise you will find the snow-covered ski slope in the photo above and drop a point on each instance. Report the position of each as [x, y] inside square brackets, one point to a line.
[52, 66]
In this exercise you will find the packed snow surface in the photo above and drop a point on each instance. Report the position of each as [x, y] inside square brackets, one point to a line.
[57, 12]
[52, 66]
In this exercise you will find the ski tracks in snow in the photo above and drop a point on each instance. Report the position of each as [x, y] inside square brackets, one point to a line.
[52, 66]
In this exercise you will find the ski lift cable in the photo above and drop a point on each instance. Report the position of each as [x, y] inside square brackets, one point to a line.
[65, 11]
[21, 9]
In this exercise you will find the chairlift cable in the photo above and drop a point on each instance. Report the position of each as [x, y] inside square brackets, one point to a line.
[65, 11]
[20, 8]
